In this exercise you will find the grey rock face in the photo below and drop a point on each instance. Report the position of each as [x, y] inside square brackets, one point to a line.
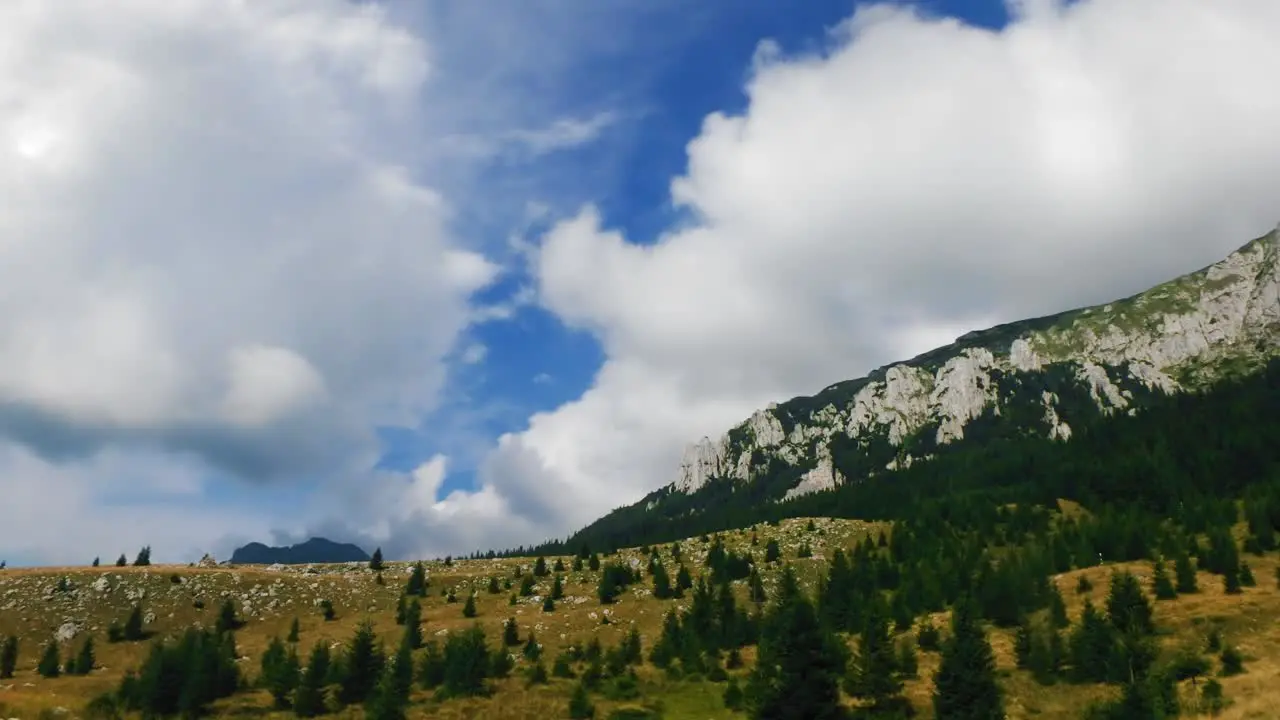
[1230, 310]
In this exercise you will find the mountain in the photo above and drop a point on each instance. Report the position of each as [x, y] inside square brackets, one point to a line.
[315, 550]
[1042, 379]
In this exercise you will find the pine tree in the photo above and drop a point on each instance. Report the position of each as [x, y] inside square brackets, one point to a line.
[771, 551]
[537, 674]
[1232, 661]
[1212, 698]
[532, 650]
[562, 667]
[1127, 606]
[122, 561]
[375, 562]
[97, 562]
[755, 587]
[1057, 607]
[227, 620]
[593, 563]
[733, 697]
[510, 633]
[1092, 646]
[413, 624]
[390, 697]
[661, 582]
[309, 699]
[469, 609]
[908, 662]
[493, 585]
[1023, 639]
[280, 672]
[50, 663]
[557, 589]
[1246, 575]
[467, 664]
[1231, 580]
[1184, 573]
[8, 657]
[133, 625]
[669, 644]
[800, 662]
[431, 667]
[326, 610]
[927, 636]
[1045, 660]
[144, 557]
[1161, 584]
[86, 659]
[401, 606]
[965, 684]
[294, 631]
[540, 567]
[417, 583]
[580, 707]
[684, 581]
[361, 667]
[1083, 585]
[873, 676]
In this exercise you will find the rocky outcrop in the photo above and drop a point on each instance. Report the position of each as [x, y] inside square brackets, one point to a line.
[1146, 343]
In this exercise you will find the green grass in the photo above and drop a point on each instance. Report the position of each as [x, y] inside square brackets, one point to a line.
[1250, 620]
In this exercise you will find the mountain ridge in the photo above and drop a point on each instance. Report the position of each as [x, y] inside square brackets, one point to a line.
[1173, 337]
[314, 550]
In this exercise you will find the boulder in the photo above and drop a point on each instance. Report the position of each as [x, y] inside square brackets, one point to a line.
[67, 632]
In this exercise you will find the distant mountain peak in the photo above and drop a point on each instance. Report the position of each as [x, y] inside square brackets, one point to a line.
[314, 550]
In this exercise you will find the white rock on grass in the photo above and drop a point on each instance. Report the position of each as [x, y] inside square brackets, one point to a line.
[67, 632]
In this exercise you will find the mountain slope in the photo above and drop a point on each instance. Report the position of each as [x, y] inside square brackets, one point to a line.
[1176, 336]
[1042, 380]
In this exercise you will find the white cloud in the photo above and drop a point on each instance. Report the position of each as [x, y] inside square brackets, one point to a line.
[564, 133]
[474, 353]
[112, 503]
[919, 179]
[210, 249]
[530, 143]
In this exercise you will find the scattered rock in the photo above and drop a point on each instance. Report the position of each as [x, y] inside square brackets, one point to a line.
[67, 632]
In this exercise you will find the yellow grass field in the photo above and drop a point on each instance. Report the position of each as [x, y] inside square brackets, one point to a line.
[268, 599]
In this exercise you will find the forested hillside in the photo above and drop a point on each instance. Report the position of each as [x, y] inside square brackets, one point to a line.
[1174, 456]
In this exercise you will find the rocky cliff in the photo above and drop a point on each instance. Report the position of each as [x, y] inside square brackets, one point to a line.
[1171, 338]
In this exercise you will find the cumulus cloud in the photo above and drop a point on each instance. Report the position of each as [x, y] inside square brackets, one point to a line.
[210, 249]
[916, 179]
[114, 502]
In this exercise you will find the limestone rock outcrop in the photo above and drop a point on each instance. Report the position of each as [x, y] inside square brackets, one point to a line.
[1167, 339]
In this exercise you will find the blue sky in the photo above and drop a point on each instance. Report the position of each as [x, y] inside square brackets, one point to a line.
[442, 275]
[534, 363]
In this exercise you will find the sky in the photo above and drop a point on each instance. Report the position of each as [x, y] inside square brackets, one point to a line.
[443, 276]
